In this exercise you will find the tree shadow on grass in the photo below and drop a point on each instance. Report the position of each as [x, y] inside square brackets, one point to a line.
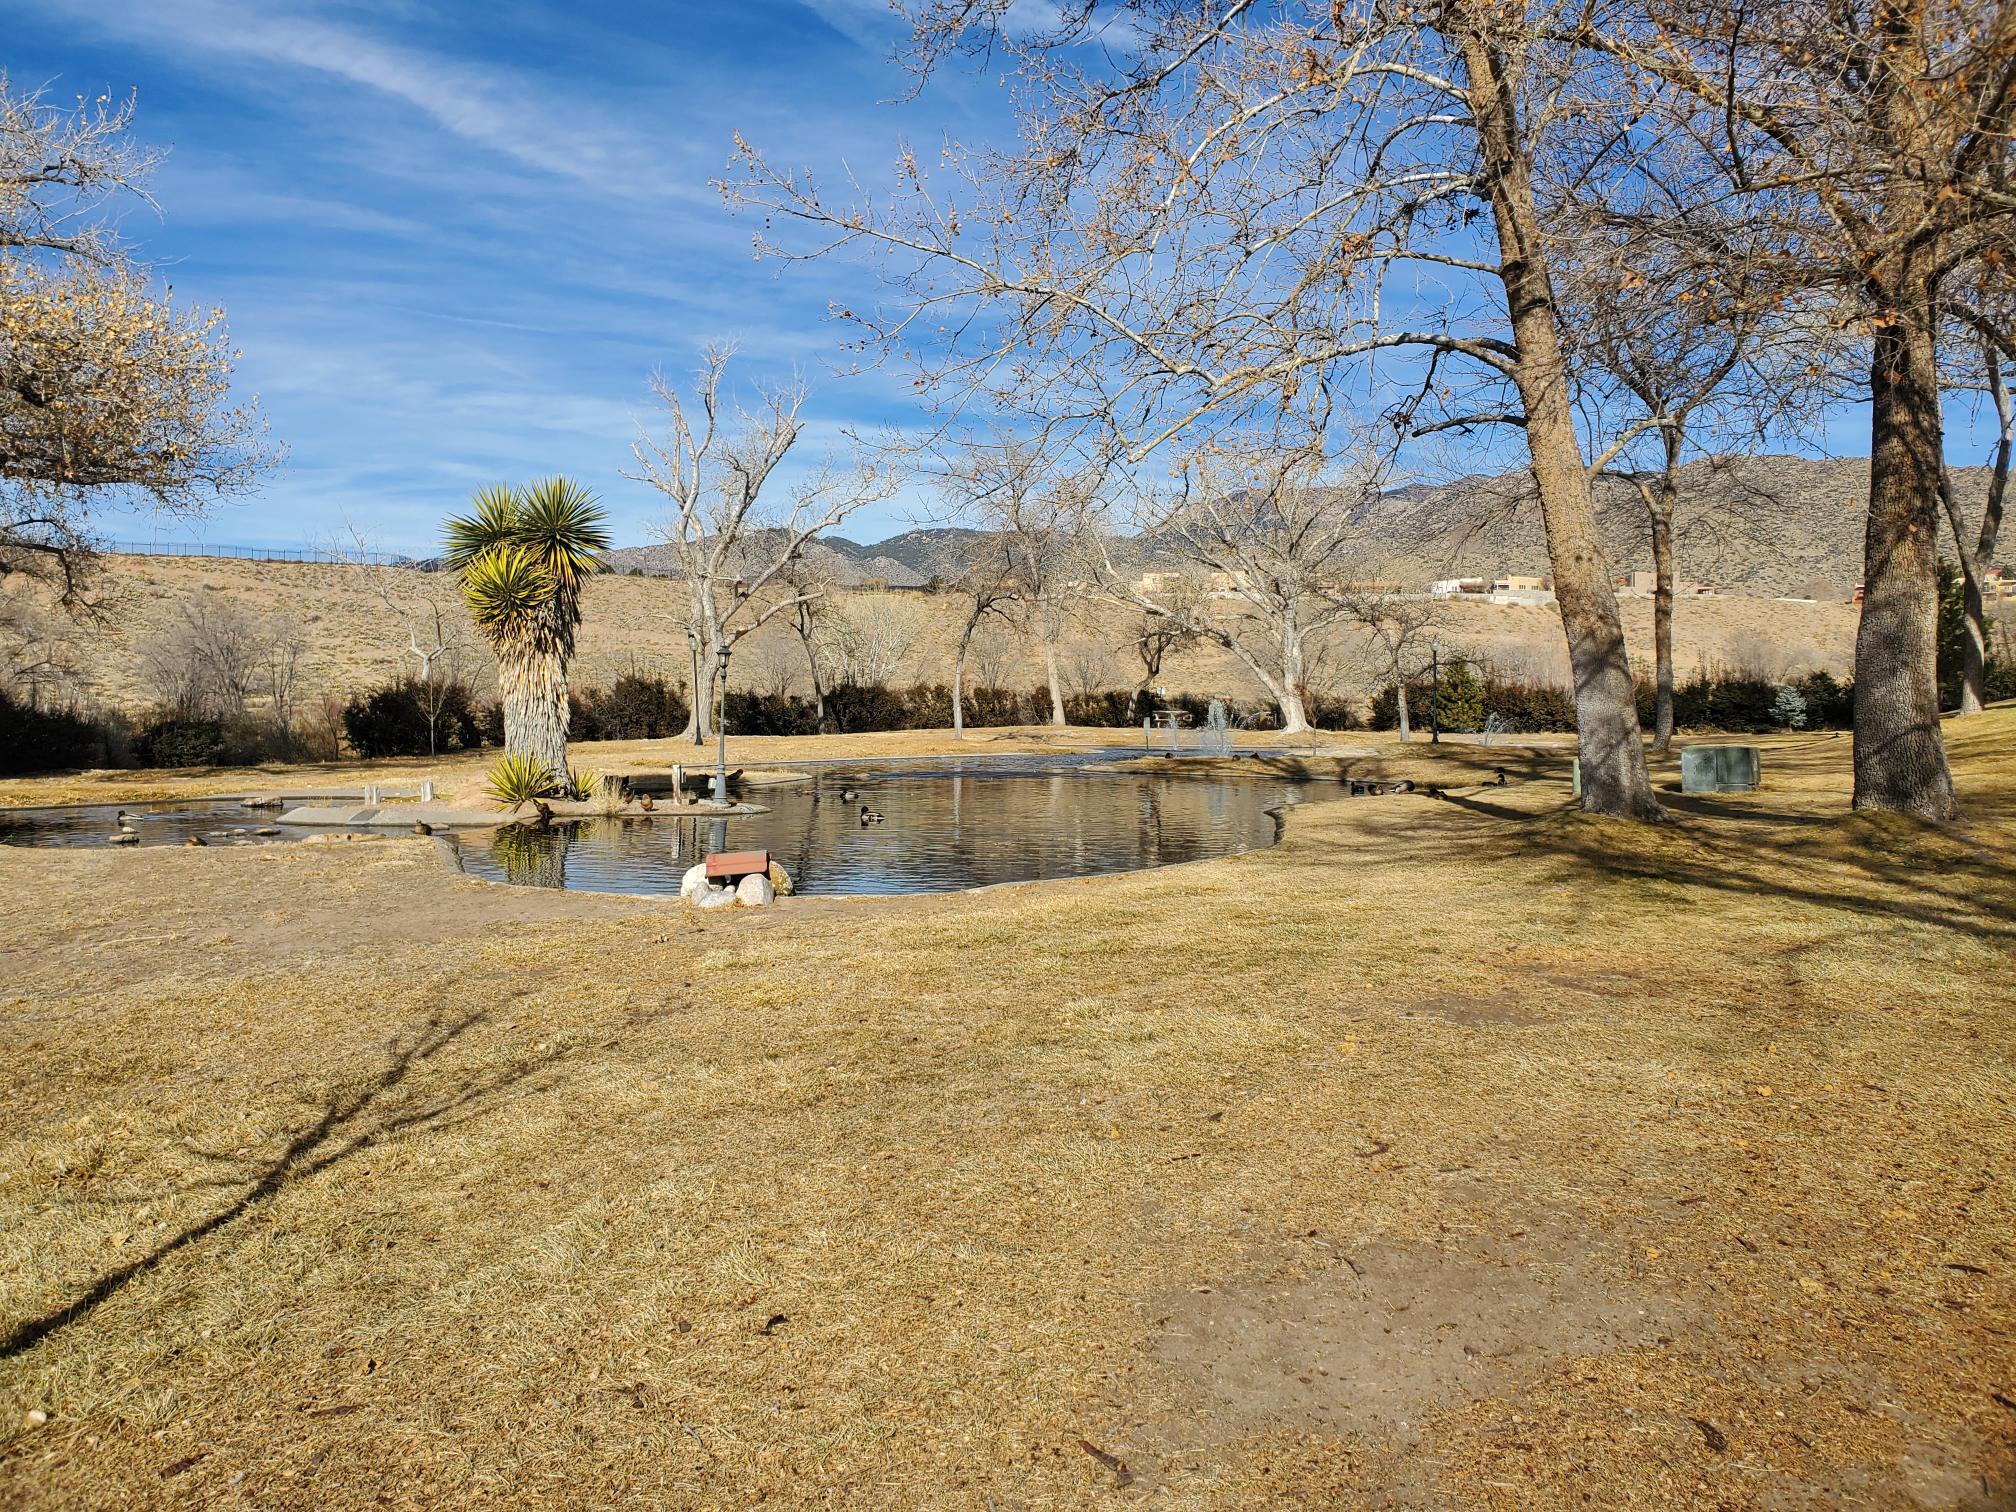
[1861, 865]
[351, 1121]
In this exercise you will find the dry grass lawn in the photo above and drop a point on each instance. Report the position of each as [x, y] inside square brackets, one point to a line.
[1464, 1153]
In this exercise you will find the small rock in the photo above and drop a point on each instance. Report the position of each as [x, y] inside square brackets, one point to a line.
[37, 1417]
[714, 897]
[126, 837]
[755, 891]
[267, 829]
[694, 882]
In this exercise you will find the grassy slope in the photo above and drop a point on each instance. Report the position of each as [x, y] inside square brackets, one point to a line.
[511, 1184]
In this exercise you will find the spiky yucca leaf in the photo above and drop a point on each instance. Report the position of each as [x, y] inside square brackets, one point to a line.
[517, 780]
[492, 523]
[560, 523]
[506, 588]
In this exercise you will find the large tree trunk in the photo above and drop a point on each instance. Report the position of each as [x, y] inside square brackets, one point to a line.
[1400, 701]
[1050, 672]
[959, 690]
[803, 625]
[1614, 777]
[535, 709]
[1294, 712]
[1900, 759]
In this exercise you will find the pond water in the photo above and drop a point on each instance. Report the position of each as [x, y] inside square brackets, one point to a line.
[961, 825]
[950, 826]
[217, 821]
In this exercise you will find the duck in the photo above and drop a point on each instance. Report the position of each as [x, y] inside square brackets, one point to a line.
[644, 802]
[869, 816]
[1502, 778]
[195, 840]
[125, 818]
[544, 811]
[422, 827]
[848, 795]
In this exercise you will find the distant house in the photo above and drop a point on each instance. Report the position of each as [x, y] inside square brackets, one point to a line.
[1514, 589]
[1452, 587]
[1638, 584]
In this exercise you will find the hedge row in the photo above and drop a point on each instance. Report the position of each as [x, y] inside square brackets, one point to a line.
[1471, 701]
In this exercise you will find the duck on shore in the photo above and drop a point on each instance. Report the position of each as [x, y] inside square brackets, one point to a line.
[869, 816]
[422, 827]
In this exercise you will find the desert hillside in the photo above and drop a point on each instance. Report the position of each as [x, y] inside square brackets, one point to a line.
[1765, 525]
[354, 640]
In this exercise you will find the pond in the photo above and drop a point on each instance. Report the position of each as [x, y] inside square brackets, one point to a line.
[945, 827]
[959, 825]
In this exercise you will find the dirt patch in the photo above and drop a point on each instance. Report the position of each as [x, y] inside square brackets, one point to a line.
[1475, 1010]
[1396, 1331]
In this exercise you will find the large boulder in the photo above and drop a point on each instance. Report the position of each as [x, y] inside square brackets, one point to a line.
[780, 879]
[694, 882]
[755, 891]
[714, 897]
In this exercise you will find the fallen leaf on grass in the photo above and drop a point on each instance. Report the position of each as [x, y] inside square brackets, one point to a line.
[1716, 1438]
[1122, 1475]
[775, 1319]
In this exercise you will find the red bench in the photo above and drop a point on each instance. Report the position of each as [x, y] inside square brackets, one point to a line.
[732, 866]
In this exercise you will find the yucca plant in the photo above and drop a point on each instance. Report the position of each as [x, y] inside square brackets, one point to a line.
[522, 555]
[518, 779]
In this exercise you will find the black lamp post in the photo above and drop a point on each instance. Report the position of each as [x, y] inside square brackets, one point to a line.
[721, 729]
[1435, 693]
[693, 644]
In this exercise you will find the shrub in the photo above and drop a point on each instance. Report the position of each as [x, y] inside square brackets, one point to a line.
[42, 740]
[174, 742]
[1528, 708]
[770, 714]
[393, 720]
[634, 707]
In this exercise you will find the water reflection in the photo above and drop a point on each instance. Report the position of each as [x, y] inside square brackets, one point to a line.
[952, 829]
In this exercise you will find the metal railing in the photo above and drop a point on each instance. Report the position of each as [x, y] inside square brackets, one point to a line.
[263, 553]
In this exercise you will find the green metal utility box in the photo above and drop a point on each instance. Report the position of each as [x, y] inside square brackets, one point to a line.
[1718, 769]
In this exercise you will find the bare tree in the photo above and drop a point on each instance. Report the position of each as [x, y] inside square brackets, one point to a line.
[872, 637]
[1975, 547]
[808, 577]
[214, 658]
[1867, 145]
[986, 590]
[426, 608]
[1264, 544]
[735, 524]
[1396, 624]
[1210, 236]
[1155, 636]
[1042, 516]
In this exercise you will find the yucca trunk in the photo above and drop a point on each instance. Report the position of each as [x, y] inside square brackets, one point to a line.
[534, 685]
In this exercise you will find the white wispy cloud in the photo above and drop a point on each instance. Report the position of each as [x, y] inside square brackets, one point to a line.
[501, 110]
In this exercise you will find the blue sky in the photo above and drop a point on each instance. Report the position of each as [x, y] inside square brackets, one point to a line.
[453, 239]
